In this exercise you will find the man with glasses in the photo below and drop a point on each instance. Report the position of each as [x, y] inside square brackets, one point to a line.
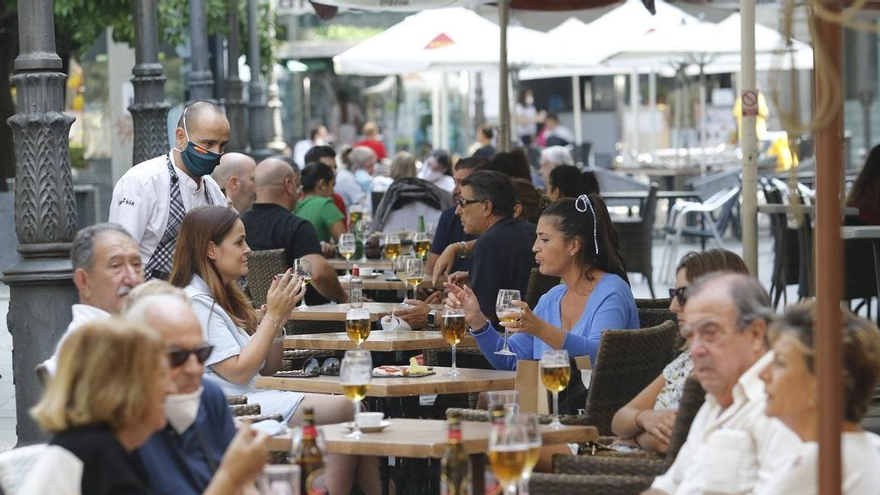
[502, 257]
[182, 458]
[106, 266]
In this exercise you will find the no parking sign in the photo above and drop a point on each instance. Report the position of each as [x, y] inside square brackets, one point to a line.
[750, 103]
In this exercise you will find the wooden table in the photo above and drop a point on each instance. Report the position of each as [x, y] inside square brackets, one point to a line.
[336, 312]
[384, 282]
[469, 380]
[339, 264]
[379, 340]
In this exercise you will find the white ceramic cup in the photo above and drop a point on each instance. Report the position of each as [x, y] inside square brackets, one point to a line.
[367, 272]
[368, 419]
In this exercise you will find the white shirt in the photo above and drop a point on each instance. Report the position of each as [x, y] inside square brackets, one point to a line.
[82, 314]
[352, 192]
[861, 468]
[733, 450]
[299, 151]
[142, 199]
[56, 472]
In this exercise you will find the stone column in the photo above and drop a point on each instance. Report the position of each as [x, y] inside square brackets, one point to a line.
[277, 143]
[149, 112]
[235, 106]
[41, 288]
[201, 81]
[256, 90]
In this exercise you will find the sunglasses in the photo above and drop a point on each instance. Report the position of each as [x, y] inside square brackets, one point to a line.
[464, 202]
[178, 357]
[680, 293]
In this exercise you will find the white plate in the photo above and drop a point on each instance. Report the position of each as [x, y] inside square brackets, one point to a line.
[368, 429]
[370, 276]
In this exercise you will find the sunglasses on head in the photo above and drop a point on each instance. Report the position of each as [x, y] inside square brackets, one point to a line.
[680, 293]
[178, 357]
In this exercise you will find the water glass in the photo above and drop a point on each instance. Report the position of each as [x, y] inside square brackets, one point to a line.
[347, 248]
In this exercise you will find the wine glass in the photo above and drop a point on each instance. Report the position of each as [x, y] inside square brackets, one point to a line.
[303, 269]
[533, 441]
[392, 247]
[415, 273]
[452, 327]
[355, 375]
[508, 445]
[399, 267]
[421, 245]
[357, 325]
[555, 373]
[347, 248]
[362, 233]
[355, 214]
[508, 313]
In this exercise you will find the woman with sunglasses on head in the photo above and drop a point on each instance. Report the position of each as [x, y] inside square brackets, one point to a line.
[106, 400]
[646, 421]
[576, 242]
[210, 257]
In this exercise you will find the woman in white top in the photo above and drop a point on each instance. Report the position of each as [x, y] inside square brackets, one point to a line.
[210, 258]
[791, 385]
[527, 116]
[437, 170]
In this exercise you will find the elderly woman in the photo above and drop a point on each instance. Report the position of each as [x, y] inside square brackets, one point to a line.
[106, 399]
[575, 241]
[210, 258]
[552, 157]
[647, 420]
[791, 385]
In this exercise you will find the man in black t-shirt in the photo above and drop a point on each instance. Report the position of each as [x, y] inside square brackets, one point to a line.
[502, 257]
[270, 225]
[449, 230]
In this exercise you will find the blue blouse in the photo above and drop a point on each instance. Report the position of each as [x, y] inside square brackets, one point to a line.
[611, 305]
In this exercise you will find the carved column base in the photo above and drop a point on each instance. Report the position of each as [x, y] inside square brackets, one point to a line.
[149, 113]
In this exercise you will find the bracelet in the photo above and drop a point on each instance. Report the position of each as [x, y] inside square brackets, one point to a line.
[278, 327]
[482, 330]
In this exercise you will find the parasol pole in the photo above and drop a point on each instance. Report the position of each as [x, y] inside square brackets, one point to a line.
[504, 101]
[749, 142]
[578, 108]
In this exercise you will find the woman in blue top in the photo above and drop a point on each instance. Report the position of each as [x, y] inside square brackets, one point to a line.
[576, 242]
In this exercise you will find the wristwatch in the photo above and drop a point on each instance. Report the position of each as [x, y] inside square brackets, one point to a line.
[432, 317]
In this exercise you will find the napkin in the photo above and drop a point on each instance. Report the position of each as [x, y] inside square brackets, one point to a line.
[390, 322]
[270, 427]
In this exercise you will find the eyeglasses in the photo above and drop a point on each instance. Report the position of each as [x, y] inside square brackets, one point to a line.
[178, 357]
[680, 293]
[464, 202]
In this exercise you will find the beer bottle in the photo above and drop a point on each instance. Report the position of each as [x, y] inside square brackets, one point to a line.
[356, 289]
[309, 458]
[421, 224]
[455, 467]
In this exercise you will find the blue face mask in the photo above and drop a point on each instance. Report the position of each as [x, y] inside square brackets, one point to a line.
[198, 160]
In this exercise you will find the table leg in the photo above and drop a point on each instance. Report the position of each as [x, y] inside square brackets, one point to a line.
[385, 475]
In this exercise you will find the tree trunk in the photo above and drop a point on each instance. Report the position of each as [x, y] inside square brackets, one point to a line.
[8, 52]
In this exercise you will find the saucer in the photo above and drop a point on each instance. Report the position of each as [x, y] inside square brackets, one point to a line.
[370, 276]
[368, 429]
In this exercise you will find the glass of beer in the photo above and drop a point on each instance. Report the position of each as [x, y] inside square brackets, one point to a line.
[421, 245]
[355, 215]
[357, 325]
[392, 247]
[415, 273]
[533, 442]
[508, 447]
[508, 313]
[452, 327]
[355, 375]
[303, 269]
[555, 373]
[347, 248]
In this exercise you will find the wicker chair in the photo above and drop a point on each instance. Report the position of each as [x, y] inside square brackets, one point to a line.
[263, 265]
[638, 233]
[585, 484]
[245, 410]
[618, 466]
[483, 415]
[650, 317]
[236, 400]
[626, 362]
[661, 303]
[538, 286]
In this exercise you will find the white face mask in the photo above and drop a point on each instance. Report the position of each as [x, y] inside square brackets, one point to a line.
[181, 409]
[429, 174]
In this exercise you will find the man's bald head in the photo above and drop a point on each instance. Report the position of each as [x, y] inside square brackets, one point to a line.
[179, 327]
[276, 183]
[235, 174]
[197, 113]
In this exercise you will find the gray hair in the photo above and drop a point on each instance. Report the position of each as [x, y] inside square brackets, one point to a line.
[749, 298]
[143, 305]
[558, 155]
[359, 156]
[149, 290]
[82, 251]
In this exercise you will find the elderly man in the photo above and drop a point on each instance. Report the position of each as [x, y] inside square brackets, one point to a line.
[235, 175]
[151, 199]
[270, 225]
[732, 447]
[486, 206]
[106, 266]
[182, 458]
[552, 157]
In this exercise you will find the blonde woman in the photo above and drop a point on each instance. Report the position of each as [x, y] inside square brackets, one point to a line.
[106, 399]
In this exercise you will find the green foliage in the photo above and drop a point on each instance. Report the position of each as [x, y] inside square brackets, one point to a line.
[343, 32]
[77, 157]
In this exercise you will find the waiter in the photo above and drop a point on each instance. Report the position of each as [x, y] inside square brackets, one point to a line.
[151, 199]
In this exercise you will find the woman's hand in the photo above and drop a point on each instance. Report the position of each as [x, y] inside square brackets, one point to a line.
[444, 263]
[658, 423]
[465, 299]
[283, 295]
[246, 456]
[459, 278]
[528, 322]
